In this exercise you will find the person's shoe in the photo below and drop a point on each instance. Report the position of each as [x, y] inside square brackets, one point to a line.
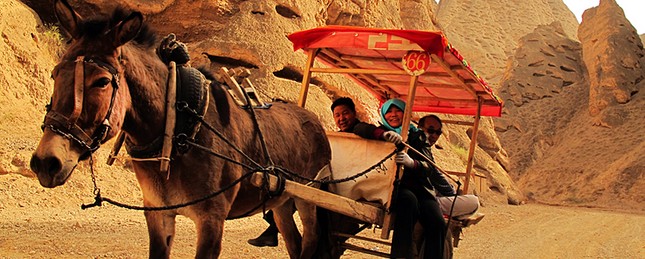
[265, 240]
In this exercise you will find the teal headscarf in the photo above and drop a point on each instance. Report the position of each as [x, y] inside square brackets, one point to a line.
[399, 104]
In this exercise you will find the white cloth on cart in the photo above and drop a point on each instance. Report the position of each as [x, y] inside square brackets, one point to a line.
[351, 155]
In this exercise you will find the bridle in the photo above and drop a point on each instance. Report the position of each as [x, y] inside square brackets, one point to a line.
[67, 126]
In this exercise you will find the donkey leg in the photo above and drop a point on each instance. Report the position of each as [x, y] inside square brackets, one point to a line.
[283, 216]
[161, 231]
[307, 213]
[209, 237]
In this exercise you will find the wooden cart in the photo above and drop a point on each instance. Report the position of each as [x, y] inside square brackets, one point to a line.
[419, 67]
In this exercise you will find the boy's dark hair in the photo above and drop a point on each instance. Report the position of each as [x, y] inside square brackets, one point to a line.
[422, 121]
[344, 101]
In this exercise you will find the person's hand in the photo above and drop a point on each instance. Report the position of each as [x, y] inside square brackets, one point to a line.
[393, 137]
[404, 159]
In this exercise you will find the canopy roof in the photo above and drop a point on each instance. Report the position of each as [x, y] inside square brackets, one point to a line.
[374, 58]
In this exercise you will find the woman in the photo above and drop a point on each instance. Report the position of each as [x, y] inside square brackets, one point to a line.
[415, 199]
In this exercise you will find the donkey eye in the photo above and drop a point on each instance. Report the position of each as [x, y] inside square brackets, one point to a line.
[102, 82]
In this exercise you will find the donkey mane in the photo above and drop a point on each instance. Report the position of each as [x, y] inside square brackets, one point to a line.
[96, 27]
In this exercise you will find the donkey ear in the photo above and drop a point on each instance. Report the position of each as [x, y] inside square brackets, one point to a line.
[67, 17]
[127, 29]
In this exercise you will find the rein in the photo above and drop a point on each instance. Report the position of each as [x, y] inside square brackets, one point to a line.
[181, 142]
[272, 169]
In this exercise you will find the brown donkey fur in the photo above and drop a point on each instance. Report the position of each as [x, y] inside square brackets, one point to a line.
[294, 136]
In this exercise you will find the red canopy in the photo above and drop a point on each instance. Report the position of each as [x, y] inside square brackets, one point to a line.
[375, 59]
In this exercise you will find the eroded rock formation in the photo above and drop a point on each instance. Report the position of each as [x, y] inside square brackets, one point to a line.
[613, 54]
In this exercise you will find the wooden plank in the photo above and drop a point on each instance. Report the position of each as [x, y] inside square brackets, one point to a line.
[366, 78]
[446, 67]
[235, 87]
[369, 59]
[456, 122]
[421, 85]
[364, 250]
[358, 71]
[250, 91]
[336, 203]
[364, 239]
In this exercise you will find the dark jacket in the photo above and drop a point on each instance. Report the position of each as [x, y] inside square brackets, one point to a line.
[424, 177]
[366, 130]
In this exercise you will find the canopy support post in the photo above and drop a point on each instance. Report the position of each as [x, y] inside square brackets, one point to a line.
[473, 146]
[306, 77]
[407, 118]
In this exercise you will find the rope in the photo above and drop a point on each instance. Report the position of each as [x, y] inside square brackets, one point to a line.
[257, 128]
[431, 162]
[219, 134]
[278, 171]
[98, 199]
[209, 151]
[346, 179]
[151, 159]
[283, 170]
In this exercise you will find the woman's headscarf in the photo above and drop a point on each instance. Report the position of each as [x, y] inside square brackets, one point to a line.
[386, 106]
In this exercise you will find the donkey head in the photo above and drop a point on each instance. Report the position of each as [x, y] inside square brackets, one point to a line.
[90, 96]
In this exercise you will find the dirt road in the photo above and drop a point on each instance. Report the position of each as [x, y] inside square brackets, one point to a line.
[527, 231]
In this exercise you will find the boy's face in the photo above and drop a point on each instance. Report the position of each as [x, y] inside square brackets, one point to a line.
[344, 117]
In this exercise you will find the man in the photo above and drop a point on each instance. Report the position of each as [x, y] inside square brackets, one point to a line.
[344, 111]
[465, 204]
[345, 117]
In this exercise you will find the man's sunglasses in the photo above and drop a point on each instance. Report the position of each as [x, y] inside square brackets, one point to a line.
[432, 131]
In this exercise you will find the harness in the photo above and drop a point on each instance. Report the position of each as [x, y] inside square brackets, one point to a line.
[192, 93]
[67, 126]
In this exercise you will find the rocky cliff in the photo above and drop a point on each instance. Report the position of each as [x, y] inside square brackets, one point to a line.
[537, 64]
[574, 110]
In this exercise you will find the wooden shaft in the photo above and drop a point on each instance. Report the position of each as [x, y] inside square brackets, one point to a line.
[364, 238]
[115, 149]
[334, 202]
[171, 95]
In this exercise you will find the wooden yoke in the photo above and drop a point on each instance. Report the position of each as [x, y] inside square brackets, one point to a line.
[407, 118]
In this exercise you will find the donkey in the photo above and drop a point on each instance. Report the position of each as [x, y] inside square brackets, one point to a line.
[111, 80]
